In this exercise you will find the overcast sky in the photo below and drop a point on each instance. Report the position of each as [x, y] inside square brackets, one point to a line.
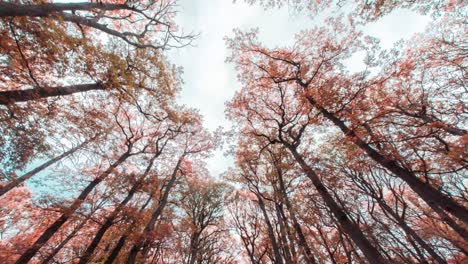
[210, 82]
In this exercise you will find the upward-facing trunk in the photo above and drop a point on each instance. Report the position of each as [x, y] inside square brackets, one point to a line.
[353, 230]
[47, 9]
[14, 183]
[297, 227]
[283, 234]
[116, 250]
[8, 97]
[409, 231]
[433, 197]
[52, 229]
[57, 249]
[271, 233]
[110, 220]
[154, 217]
[194, 247]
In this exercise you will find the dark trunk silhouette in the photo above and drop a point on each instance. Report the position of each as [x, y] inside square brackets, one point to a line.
[376, 193]
[16, 182]
[110, 220]
[47, 9]
[433, 197]
[271, 233]
[297, 227]
[283, 235]
[409, 231]
[8, 97]
[52, 229]
[351, 229]
[116, 250]
[155, 216]
[57, 249]
[194, 244]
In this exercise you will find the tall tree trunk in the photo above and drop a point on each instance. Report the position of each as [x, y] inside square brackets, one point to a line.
[297, 227]
[432, 119]
[8, 97]
[291, 237]
[14, 183]
[110, 220]
[154, 217]
[351, 229]
[116, 250]
[42, 10]
[194, 244]
[410, 232]
[325, 244]
[284, 239]
[433, 197]
[271, 233]
[65, 241]
[52, 229]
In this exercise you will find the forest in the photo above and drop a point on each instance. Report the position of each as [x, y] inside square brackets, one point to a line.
[330, 165]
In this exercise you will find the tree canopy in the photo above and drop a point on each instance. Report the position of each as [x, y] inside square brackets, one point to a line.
[331, 164]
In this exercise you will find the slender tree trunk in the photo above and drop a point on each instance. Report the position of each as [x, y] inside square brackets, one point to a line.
[284, 239]
[8, 97]
[42, 10]
[410, 232]
[64, 242]
[154, 217]
[14, 183]
[297, 227]
[416, 248]
[358, 237]
[52, 229]
[251, 256]
[110, 220]
[429, 119]
[292, 239]
[116, 250]
[433, 197]
[271, 233]
[194, 241]
[325, 244]
[348, 252]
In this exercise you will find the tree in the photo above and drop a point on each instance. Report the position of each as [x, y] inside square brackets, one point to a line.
[202, 201]
[368, 11]
[331, 166]
[136, 32]
[16, 182]
[315, 75]
[277, 119]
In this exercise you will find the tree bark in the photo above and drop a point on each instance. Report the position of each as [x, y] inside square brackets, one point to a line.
[409, 231]
[154, 217]
[351, 229]
[110, 220]
[271, 234]
[47, 9]
[52, 229]
[284, 240]
[434, 198]
[8, 97]
[297, 227]
[194, 244]
[116, 250]
[64, 242]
